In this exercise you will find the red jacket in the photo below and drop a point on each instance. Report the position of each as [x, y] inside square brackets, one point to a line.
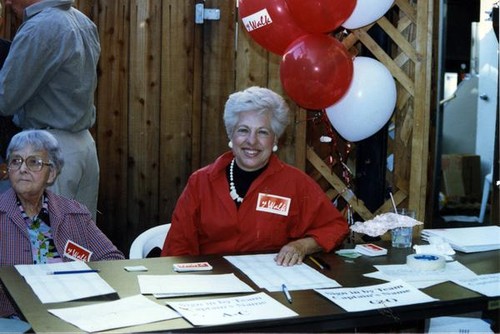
[207, 221]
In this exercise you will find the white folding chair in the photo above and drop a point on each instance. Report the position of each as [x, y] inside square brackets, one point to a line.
[148, 240]
[486, 194]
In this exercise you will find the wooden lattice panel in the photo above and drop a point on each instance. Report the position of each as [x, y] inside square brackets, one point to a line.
[408, 26]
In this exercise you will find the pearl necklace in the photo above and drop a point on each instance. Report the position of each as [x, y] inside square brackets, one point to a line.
[234, 195]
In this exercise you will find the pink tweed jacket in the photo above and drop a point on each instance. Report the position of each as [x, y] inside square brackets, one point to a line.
[69, 220]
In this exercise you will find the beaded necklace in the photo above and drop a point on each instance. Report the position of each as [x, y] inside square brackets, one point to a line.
[234, 195]
[244, 178]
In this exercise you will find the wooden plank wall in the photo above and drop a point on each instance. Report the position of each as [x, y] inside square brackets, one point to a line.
[163, 81]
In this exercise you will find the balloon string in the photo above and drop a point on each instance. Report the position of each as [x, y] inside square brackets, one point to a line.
[316, 118]
[346, 171]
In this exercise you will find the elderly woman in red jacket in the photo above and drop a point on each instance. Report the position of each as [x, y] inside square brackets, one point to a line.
[36, 225]
[250, 201]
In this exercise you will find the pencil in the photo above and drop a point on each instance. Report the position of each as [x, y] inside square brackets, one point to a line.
[316, 262]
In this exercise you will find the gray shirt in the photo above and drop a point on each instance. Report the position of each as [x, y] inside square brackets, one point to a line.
[50, 75]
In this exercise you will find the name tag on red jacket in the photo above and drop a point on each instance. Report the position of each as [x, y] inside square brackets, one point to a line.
[273, 204]
[74, 251]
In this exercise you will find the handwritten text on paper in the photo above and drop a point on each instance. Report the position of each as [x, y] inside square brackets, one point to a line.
[395, 293]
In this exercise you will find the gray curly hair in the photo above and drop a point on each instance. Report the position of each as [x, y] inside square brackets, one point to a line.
[261, 100]
[39, 140]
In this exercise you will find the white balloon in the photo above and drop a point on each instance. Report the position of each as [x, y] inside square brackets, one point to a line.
[368, 103]
[366, 12]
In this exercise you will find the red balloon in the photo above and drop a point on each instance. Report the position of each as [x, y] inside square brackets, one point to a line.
[321, 16]
[269, 23]
[316, 71]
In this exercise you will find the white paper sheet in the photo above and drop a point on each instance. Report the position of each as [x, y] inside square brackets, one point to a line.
[44, 269]
[191, 284]
[418, 284]
[263, 271]
[468, 239]
[129, 311]
[386, 295]
[488, 284]
[61, 288]
[220, 311]
[422, 278]
[464, 325]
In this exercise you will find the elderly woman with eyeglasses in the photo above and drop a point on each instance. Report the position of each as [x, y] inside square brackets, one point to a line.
[36, 225]
[248, 200]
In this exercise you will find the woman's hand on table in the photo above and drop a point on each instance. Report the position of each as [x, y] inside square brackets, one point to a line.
[294, 252]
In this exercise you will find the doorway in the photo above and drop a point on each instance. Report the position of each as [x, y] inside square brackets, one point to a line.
[468, 114]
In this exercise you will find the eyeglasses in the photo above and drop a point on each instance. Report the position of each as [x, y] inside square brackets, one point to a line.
[34, 163]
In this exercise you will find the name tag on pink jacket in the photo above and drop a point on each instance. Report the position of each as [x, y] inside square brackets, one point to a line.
[273, 204]
[74, 251]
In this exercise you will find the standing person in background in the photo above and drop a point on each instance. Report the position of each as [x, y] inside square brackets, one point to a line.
[7, 127]
[248, 200]
[48, 82]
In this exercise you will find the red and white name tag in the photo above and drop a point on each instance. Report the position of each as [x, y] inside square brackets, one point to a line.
[273, 204]
[194, 266]
[257, 20]
[74, 251]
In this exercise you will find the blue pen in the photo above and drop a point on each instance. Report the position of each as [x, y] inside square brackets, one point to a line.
[287, 293]
[66, 272]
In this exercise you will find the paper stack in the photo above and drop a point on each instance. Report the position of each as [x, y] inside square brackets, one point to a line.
[467, 239]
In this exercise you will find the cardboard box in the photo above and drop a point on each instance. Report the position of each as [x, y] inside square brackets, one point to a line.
[461, 176]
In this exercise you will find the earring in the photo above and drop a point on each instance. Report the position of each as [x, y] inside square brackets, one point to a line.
[230, 144]
[275, 148]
